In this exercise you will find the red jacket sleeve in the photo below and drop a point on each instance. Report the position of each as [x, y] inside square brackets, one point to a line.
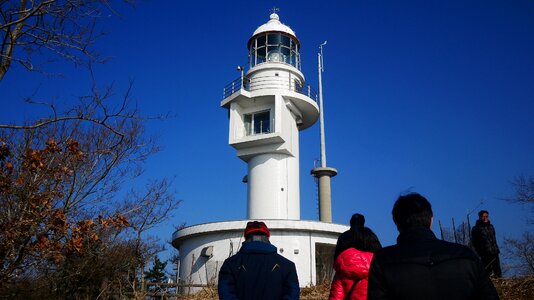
[336, 289]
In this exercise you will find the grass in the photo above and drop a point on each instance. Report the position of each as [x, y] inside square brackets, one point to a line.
[508, 289]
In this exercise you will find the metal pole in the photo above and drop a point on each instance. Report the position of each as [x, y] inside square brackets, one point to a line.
[324, 173]
[240, 68]
[321, 113]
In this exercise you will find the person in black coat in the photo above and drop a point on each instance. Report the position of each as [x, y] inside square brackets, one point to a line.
[344, 241]
[420, 266]
[485, 244]
[257, 271]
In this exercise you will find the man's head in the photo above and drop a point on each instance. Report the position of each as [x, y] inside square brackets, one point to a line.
[357, 221]
[412, 210]
[256, 230]
[483, 216]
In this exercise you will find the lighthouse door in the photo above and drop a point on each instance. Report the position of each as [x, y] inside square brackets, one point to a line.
[324, 260]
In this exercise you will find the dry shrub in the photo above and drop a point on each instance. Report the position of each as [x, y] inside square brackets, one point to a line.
[209, 293]
[508, 289]
[315, 292]
[515, 288]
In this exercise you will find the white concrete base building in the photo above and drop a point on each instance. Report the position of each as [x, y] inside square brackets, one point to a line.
[268, 107]
[204, 247]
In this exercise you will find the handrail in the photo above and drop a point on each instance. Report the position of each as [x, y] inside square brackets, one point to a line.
[267, 82]
[235, 85]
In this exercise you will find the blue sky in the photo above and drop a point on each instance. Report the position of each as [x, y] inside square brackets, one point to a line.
[435, 97]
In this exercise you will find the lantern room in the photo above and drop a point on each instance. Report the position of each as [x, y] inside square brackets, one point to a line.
[274, 42]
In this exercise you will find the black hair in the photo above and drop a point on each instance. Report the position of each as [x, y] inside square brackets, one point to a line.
[364, 239]
[357, 221]
[480, 213]
[412, 210]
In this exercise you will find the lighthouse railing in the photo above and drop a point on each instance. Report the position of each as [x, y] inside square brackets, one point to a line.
[307, 90]
[268, 82]
[235, 86]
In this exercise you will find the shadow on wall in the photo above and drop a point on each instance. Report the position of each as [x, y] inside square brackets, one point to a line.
[211, 270]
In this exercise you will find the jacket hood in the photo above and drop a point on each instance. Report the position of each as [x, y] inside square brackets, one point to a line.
[257, 247]
[353, 263]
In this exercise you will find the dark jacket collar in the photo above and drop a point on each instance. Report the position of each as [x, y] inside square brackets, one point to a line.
[484, 224]
[418, 234]
[257, 247]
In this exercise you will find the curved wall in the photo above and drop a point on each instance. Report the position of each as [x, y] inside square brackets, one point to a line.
[295, 240]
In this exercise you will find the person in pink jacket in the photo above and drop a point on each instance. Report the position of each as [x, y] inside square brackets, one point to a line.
[352, 266]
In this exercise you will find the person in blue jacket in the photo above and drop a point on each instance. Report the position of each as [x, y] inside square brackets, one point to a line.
[257, 271]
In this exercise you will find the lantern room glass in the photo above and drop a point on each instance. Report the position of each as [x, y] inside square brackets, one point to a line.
[274, 47]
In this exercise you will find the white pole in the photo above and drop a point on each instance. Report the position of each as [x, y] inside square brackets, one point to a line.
[321, 112]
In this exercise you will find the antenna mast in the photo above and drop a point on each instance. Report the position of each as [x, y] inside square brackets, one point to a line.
[321, 114]
[323, 173]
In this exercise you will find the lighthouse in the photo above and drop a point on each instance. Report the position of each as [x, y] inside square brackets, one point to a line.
[268, 106]
[267, 111]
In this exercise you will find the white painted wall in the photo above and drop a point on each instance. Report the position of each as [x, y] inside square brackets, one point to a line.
[295, 240]
[277, 197]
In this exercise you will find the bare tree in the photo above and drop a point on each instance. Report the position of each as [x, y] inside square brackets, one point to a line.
[144, 211]
[61, 217]
[524, 193]
[520, 251]
[66, 29]
[458, 234]
[58, 176]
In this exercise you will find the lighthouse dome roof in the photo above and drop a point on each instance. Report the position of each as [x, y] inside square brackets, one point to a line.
[274, 24]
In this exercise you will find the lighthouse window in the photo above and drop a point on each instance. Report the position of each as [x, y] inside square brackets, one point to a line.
[285, 53]
[285, 40]
[258, 123]
[274, 39]
[274, 47]
[261, 49]
[261, 55]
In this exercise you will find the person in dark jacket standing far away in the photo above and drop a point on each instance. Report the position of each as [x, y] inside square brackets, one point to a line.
[344, 241]
[485, 243]
[421, 267]
[257, 271]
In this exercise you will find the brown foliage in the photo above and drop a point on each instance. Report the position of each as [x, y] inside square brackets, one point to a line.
[63, 230]
[34, 220]
[49, 236]
[59, 179]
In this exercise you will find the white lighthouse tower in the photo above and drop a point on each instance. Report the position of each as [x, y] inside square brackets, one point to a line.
[268, 106]
[267, 112]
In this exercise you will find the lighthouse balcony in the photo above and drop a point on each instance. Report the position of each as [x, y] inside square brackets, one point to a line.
[267, 83]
